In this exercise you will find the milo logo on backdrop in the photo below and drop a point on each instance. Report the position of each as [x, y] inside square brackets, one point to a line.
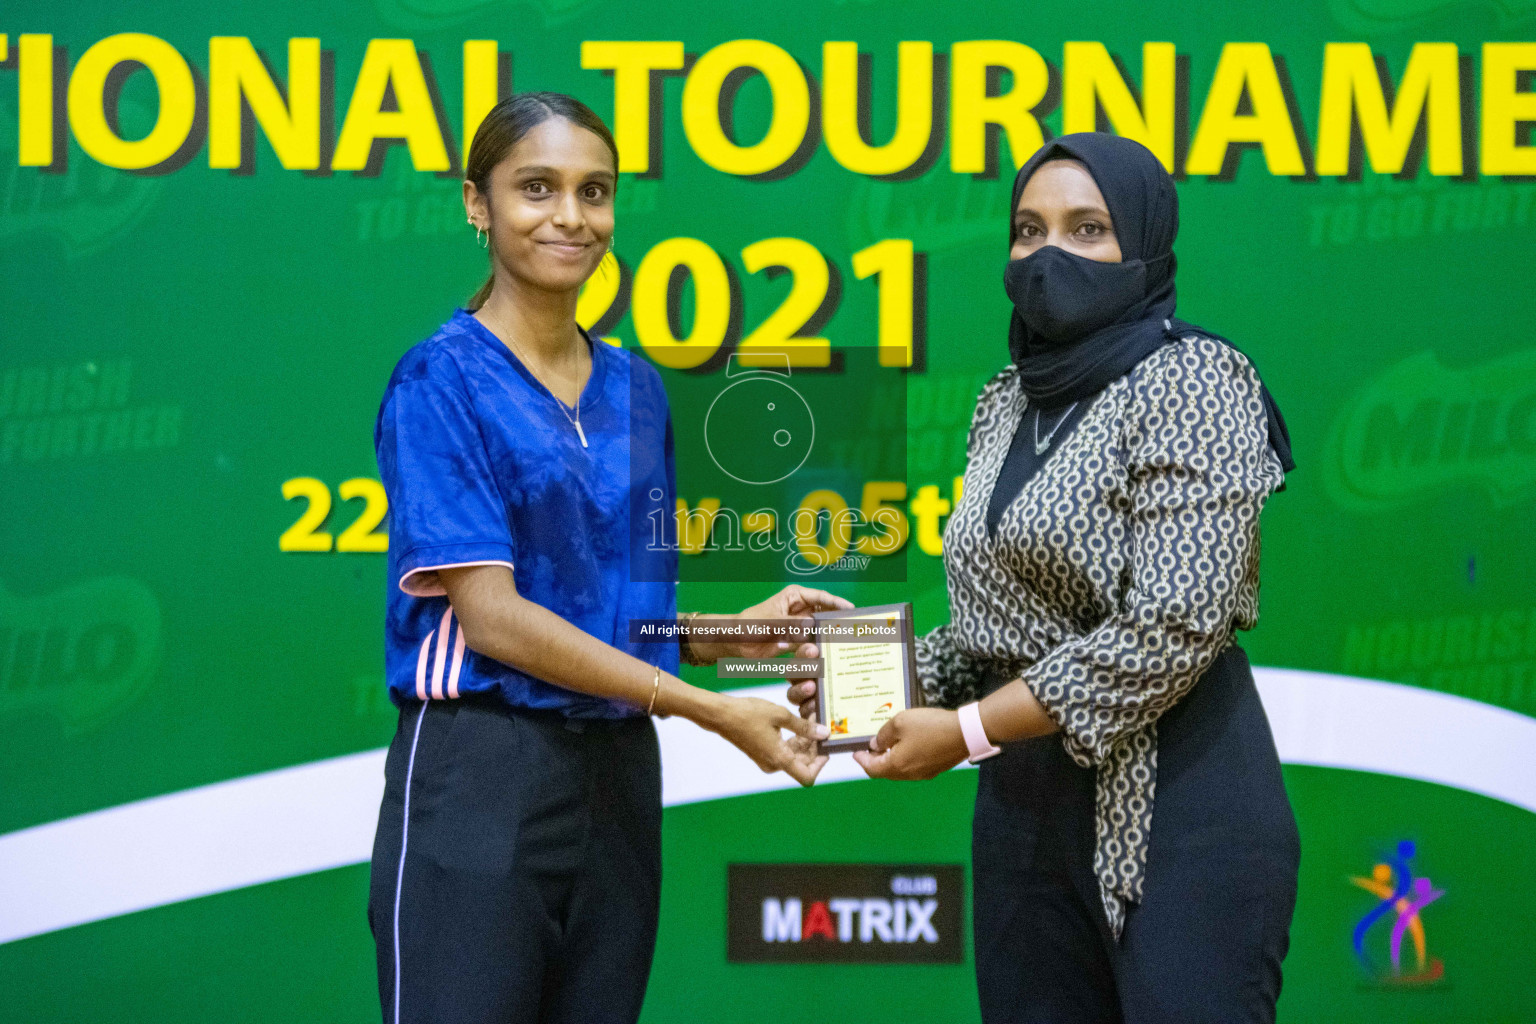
[86, 207]
[81, 653]
[938, 214]
[1383, 17]
[1422, 426]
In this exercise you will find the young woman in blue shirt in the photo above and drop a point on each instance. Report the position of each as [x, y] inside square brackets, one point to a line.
[516, 867]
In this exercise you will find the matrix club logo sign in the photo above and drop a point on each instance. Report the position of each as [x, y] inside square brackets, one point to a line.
[1395, 917]
[845, 913]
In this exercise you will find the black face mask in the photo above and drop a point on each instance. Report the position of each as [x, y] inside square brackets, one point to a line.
[1063, 297]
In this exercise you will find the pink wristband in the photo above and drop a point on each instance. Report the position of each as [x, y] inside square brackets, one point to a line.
[976, 740]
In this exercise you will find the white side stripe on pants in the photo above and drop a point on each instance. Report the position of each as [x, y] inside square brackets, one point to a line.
[405, 825]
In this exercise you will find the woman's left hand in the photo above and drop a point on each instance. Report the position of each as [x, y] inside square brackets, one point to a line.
[793, 602]
[917, 744]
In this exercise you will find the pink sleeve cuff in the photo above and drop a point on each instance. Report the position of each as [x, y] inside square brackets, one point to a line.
[423, 581]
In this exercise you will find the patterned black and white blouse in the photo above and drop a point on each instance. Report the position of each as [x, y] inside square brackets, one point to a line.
[1116, 576]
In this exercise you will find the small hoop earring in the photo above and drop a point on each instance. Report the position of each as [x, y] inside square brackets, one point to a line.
[483, 237]
[610, 243]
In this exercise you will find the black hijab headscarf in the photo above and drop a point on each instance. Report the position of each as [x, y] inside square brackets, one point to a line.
[1144, 208]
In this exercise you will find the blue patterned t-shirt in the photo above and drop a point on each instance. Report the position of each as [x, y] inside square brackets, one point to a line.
[483, 467]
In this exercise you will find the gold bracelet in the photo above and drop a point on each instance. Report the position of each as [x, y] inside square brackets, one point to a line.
[655, 689]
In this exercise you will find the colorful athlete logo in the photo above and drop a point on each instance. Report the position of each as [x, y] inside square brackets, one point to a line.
[839, 726]
[1404, 895]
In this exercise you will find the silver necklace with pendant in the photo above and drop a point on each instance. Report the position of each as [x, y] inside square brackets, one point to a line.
[577, 421]
[573, 422]
[1041, 446]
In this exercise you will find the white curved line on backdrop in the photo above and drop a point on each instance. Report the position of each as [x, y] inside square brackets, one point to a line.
[1390, 729]
[312, 817]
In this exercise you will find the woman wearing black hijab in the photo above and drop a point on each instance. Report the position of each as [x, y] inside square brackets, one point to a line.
[1135, 855]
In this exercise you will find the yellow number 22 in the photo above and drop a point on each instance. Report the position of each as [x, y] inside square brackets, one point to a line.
[306, 535]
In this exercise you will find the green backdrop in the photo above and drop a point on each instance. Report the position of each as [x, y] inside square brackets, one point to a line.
[177, 342]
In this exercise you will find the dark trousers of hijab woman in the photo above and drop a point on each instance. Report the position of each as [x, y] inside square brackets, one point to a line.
[1206, 943]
